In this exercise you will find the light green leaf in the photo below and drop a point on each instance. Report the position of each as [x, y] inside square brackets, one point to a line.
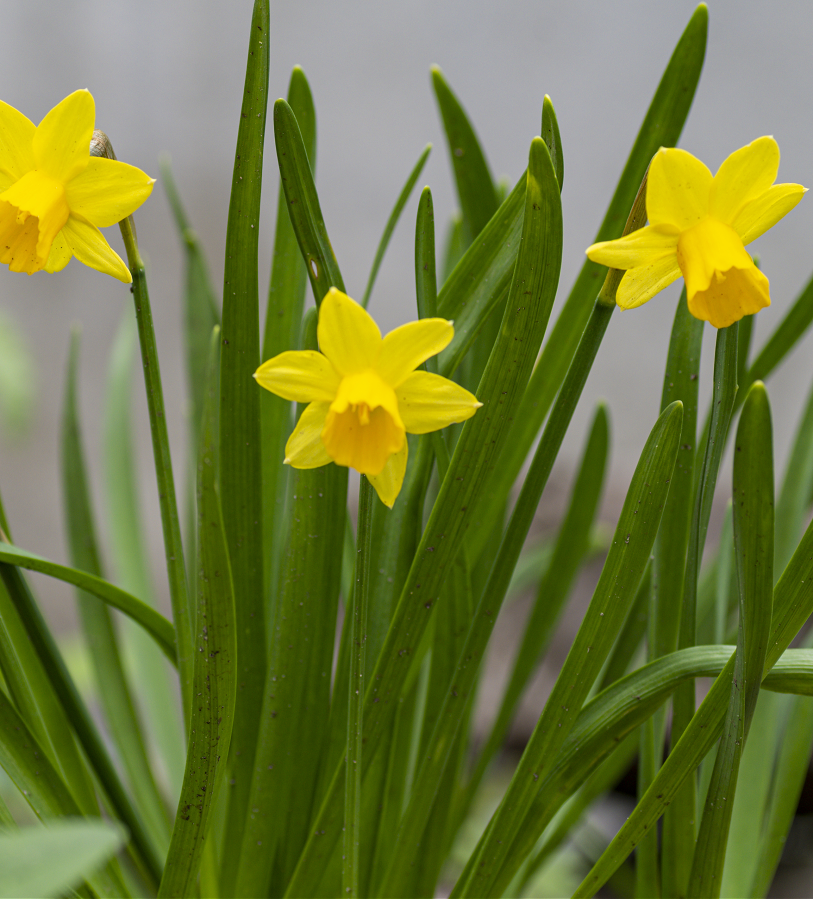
[73, 848]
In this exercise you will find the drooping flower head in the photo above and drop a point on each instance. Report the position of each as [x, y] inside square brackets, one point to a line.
[364, 393]
[54, 196]
[698, 227]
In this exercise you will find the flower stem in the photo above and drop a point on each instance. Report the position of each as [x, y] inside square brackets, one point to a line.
[358, 643]
[176, 569]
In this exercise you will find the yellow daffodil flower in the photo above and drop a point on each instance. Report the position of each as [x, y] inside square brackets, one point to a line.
[364, 394]
[54, 197]
[698, 227]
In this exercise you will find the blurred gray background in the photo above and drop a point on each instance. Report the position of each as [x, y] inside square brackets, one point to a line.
[168, 76]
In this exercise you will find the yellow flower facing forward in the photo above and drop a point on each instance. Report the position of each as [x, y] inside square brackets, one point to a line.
[364, 394]
[54, 196]
[698, 227]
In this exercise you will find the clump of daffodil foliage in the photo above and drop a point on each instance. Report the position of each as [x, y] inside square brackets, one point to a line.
[244, 750]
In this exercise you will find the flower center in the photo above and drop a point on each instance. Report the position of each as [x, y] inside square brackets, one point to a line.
[32, 213]
[709, 248]
[363, 427]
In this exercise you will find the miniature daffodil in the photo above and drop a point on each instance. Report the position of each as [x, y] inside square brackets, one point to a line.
[699, 225]
[364, 394]
[54, 196]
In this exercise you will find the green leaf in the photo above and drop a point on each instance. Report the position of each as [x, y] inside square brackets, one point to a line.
[550, 135]
[17, 379]
[126, 537]
[29, 766]
[680, 383]
[79, 716]
[612, 599]
[241, 469]
[294, 716]
[792, 605]
[151, 621]
[679, 828]
[303, 203]
[97, 622]
[214, 682]
[480, 440]
[661, 127]
[283, 322]
[33, 695]
[797, 485]
[784, 338]
[753, 539]
[478, 200]
[200, 307]
[572, 543]
[353, 820]
[475, 186]
[73, 849]
[400, 203]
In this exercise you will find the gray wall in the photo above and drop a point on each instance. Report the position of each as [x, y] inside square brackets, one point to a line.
[168, 76]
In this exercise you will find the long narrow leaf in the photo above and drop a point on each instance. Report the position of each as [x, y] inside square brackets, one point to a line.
[679, 825]
[400, 203]
[283, 322]
[214, 679]
[240, 429]
[792, 605]
[480, 440]
[97, 621]
[612, 599]
[661, 127]
[151, 621]
[753, 538]
[130, 560]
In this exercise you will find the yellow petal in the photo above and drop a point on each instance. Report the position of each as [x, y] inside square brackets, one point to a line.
[347, 334]
[62, 139]
[708, 248]
[16, 154]
[677, 191]
[759, 215]
[37, 194]
[639, 248]
[60, 254]
[743, 176]
[363, 439]
[428, 402]
[305, 449]
[108, 191]
[302, 375]
[388, 482]
[642, 283]
[730, 296]
[88, 245]
[405, 348]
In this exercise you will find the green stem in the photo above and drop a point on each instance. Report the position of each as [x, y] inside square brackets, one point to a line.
[176, 569]
[358, 643]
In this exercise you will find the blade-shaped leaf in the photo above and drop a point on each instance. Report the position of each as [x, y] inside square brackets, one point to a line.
[612, 599]
[214, 680]
[240, 430]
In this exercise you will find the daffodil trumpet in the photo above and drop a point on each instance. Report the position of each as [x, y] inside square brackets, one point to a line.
[365, 393]
[699, 226]
[55, 196]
